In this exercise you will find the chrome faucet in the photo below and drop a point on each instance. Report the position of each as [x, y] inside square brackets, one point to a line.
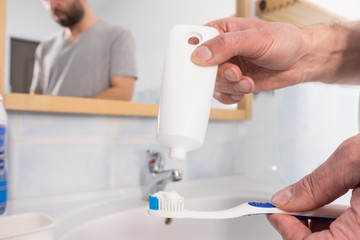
[155, 177]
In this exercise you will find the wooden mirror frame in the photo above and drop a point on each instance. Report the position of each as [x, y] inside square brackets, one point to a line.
[40, 103]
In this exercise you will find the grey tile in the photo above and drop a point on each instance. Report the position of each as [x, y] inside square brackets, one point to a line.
[52, 126]
[130, 161]
[61, 168]
[135, 127]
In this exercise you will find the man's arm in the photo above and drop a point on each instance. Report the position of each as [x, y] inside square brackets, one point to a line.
[38, 75]
[122, 88]
[334, 55]
[122, 67]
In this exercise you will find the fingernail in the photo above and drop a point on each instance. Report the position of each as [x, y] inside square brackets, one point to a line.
[231, 75]
[201, 54]
[282, 197]
[236, 97]
[217, 95]
[245, 86]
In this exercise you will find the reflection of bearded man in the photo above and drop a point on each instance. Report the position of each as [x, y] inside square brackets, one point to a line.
[69, 17]
[98, 64]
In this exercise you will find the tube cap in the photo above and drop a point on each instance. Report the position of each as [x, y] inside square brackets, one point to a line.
[177, 153]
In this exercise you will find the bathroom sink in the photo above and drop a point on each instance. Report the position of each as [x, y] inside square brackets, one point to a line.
[122, 214]
[136, 224]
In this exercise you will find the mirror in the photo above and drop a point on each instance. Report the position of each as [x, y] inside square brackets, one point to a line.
[149, 23]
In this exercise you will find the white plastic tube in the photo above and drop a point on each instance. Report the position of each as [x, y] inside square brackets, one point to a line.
[186, 92]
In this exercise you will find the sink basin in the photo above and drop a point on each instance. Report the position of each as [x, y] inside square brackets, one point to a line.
[136, 224]
[122, 214]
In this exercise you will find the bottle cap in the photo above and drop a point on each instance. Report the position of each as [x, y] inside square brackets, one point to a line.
[177, 153]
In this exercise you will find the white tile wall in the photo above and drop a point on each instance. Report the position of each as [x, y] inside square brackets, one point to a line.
[53, 154]
[257, 141]
[321, 110]
[134, 127]
[300, 156]
[215, 159]
[55, 168]
[264, 121]
[258, 158]
[295, 129]
[313, 120]
[42, 126]
[129, 161]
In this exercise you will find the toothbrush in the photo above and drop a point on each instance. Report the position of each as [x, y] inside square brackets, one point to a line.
[171, 205]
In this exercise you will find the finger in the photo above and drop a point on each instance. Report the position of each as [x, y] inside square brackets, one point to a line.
[234, 24]
[355, 202]
[319, 225]
[289, 227]
[228, 98]
[345, 227]
[245, 85]
[229, 72]
[329, 181]
[227, 45]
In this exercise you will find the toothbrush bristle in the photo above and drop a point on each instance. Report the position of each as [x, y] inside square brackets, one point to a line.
[173, 205]
[166, 201]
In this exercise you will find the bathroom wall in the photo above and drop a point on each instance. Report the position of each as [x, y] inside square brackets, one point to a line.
[53, 154]
[295, 129]
[292, 131]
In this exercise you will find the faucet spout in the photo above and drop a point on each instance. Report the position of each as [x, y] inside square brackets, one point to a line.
[167, 176]
[156, 178]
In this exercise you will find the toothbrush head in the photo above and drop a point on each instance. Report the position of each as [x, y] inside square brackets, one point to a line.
[166, 201]
[166, 204]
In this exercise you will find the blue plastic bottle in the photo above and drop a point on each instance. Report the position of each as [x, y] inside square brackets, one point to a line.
[3, 179]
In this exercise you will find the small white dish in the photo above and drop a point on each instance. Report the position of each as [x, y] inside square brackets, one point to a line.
[27, 226]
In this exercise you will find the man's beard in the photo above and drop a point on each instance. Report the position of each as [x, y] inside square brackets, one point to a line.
[74, 14]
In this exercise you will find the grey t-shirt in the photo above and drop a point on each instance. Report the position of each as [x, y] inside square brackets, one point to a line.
[84, 68]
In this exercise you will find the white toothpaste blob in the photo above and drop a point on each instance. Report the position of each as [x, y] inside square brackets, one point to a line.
[170, 201]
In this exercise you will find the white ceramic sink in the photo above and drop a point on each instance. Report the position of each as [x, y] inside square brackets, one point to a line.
[136, 224]
[122, 214]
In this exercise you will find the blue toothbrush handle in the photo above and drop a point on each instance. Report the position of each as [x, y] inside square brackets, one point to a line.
[261, 204]
[326, 213]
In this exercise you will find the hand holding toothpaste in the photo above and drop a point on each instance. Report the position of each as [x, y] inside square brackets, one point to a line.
[255, 56]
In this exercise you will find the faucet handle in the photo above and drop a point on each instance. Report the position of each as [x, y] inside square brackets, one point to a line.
[156, 161]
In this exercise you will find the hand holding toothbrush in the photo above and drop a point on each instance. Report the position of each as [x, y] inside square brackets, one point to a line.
[332, 179]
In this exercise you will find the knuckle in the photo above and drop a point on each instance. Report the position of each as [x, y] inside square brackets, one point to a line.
[350, 151]
[224, 40]
[227, 88]
[308, 185]
[348, 154]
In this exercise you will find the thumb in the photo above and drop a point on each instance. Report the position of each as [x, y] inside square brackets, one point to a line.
[248, 43]
[329, 181]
